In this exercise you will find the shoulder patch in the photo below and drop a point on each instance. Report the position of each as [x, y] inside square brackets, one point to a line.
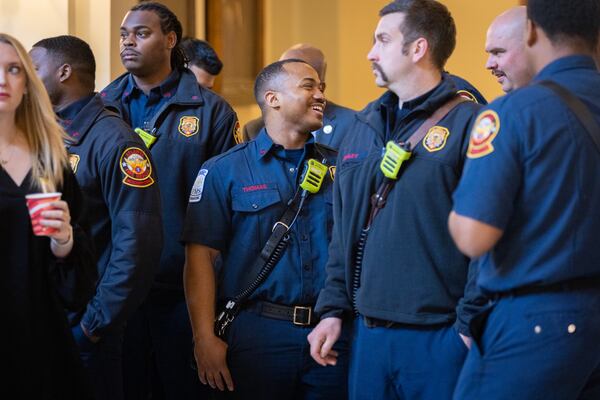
[74, 162]
[237, 134]
[136, 167]
[465, 94]
[188, 125]
[484, 131]
[436, 137]
[196, 193]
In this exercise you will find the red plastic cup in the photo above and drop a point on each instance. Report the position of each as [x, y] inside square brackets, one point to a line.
[36, 203]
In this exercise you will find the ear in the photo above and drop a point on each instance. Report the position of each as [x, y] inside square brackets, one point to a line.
[171, 40]
[64, 72]
[531, 34]
[418, 49]
[271, 98]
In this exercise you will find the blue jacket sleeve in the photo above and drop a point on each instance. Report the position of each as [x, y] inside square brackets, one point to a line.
[137, 240]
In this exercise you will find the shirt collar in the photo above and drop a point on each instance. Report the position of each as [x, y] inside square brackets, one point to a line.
[167, 88]
[68, 114]
[265, 145]
[565, 64]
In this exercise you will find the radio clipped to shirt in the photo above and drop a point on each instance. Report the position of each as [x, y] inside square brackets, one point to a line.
[148, 138]
[310, 182]
[393, 157]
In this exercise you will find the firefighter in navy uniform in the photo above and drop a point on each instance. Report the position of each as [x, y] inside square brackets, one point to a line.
[237, 201]
[183, 125]
[526, 207]
[391, 258]
[115, 173]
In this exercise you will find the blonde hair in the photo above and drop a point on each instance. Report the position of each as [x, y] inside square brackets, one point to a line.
[35, 118]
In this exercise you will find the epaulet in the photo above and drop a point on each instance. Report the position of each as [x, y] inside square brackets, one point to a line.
[326, 151]
[233, 150]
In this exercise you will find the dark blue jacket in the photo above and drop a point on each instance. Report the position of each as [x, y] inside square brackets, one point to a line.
[412, 272]
[124, 213]
[239, 196]
[193, 125]
[533, 173]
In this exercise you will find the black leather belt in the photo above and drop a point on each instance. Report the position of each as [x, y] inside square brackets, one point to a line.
[566, 286]
[298, 315]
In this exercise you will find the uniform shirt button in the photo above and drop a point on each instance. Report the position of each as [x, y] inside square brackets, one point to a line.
[571, 328]
[304, 238]
[537, 329]
[306, 267]
[292, 170]
[255, 206]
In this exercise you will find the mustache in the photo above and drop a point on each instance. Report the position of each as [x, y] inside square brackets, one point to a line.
[129, 50]
[377, 67]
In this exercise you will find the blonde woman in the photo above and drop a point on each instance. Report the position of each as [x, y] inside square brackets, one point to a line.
[40, 276]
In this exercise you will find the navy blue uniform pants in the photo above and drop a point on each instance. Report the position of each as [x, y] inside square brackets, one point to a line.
[102, 362]
[536, 346]
[157, 351]
[405, 362]
[270, 359]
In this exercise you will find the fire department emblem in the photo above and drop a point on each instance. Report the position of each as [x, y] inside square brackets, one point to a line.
[188, 126]
[484, 131]
[136, 167]
[332, 172]
[74, 162]
[436, 137]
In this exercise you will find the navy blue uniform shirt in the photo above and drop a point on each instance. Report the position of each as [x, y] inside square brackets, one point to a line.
[123, 207]
[239, 196]
[192, 125]
[412, 272]
[533, 173]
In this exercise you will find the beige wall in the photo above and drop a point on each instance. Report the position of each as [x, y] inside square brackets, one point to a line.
[342, 28]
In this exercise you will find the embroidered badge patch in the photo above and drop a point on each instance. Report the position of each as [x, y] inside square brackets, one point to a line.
[136, 167]
[74, 162]
[237, 135]
[198, 187]
[436, 137]
[465, 94]
[332, 172]
[188, 126]
[484, 131]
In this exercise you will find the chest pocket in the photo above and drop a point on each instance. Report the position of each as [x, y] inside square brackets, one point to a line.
[251, 199]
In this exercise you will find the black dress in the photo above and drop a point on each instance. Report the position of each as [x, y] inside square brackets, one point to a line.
[36, 346]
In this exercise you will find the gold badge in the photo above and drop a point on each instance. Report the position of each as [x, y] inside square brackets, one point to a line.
[332, 172]
[465, 94]
[74, 162]
[136, 167]
[237, 135]
[188, 126]
[484, 131]
[436, 137]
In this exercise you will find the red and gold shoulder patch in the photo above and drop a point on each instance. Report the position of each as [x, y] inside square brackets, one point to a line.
[465, 94]
[136, 167]
[188, 125]
[436, 137]
[484, 131]
[74, 162]
[237, 134]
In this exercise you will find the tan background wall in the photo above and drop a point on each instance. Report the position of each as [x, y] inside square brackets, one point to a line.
[342, 28]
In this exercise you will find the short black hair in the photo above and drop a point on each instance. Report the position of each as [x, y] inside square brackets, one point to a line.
[567, 20]
[429, 19]
[268, 74]
[71, 50]
[168, 23]
[202, 55]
